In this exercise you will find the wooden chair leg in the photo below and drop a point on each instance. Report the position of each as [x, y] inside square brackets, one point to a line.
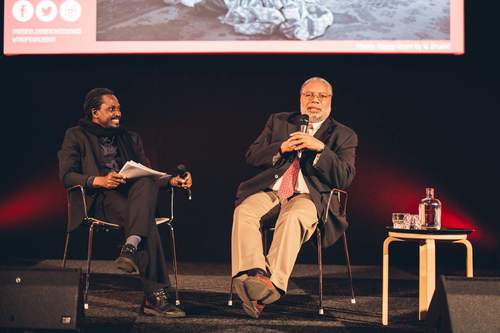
[385, 279]
[469, 258]
[321, 311]
[65, 255]
[348, 264]
[174, 259]
[89, 259]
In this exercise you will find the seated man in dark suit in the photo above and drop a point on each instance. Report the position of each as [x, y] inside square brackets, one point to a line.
[298, 170]
[91, 155]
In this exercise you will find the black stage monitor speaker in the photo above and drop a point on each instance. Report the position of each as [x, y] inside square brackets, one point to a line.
[40, 298]
[461, 305]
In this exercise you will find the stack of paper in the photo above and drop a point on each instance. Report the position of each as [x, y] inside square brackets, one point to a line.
[133, 169]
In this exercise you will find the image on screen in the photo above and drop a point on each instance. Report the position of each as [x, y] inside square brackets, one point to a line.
[135, 20]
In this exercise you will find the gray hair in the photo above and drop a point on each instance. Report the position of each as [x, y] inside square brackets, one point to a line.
[316, 78]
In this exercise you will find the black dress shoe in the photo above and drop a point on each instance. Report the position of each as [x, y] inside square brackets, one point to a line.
[127, 259]
[156, 304]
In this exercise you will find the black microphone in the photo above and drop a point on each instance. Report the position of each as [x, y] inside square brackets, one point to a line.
[183, 173]
[304, 123]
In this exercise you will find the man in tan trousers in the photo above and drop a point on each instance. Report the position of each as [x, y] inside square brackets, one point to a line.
[298, 170]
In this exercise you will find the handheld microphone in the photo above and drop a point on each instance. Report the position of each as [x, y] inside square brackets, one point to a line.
[304, 123]
[183, 173]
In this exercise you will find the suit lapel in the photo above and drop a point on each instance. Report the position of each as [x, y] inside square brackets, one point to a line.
[95, 151]
[292, 125]
[325, 130]
[323, 133]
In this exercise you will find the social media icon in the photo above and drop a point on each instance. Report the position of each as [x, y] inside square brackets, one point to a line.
[70, 10]
[23, 10]
[46, 11]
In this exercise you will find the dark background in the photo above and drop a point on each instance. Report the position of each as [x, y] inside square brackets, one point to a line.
[422, 120]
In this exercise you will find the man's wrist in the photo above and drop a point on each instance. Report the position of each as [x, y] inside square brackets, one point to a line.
[90, 182]
[318, 155]
[280, 151]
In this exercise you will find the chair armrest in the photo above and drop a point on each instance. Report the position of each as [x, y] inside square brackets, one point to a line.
[79, 195]
[77, 206]
[341, 196]
[162, 211]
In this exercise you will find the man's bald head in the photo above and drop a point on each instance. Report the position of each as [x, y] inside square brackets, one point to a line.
[316, 99]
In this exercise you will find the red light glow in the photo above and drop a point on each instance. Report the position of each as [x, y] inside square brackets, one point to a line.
[37, 202]
[381, 190]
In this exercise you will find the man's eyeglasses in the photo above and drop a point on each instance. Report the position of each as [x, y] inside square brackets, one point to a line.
[311, 95]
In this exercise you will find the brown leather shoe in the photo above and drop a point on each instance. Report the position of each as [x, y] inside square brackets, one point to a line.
[260, 288]
[250, 307]
[255, 310]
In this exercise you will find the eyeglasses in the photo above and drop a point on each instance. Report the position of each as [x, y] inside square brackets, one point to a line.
[311, 95]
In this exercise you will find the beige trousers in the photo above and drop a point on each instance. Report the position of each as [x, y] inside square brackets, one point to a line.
[296, 223]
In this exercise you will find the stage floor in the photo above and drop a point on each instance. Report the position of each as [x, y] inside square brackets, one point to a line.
[114, 300]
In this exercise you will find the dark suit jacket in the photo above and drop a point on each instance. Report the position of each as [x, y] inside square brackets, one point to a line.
[78, 158]
[334, 169]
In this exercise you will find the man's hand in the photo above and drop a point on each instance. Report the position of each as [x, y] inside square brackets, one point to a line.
[286, 146]
[184, 183]
[302, 141]
[110, 181]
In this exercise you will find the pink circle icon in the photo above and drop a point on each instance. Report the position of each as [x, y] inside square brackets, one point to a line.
[46, 11]
[70, 10]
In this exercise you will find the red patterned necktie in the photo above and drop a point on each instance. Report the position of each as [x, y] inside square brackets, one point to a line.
[289, 180]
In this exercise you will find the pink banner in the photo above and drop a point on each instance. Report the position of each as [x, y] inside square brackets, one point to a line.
[114, 26]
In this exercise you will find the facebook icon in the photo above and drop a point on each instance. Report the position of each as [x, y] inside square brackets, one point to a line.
[23, 10]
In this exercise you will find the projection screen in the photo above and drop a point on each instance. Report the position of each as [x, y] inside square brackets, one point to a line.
[233, 26]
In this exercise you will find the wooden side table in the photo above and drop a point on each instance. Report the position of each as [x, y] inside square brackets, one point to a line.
[427, 267]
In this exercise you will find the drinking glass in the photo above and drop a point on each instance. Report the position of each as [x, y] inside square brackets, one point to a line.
[399, 221]
[413, 221]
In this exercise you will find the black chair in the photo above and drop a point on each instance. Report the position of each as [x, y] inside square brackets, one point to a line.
[76, 201]
[268, 226]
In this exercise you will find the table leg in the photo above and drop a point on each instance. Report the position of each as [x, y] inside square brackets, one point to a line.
[385, 280]
[469, 260]
[427, 275]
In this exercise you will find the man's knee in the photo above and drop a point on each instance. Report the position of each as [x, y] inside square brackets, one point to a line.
[241, 210]
[146, 183]
[245, 213]
[294, 217]
[290, 216]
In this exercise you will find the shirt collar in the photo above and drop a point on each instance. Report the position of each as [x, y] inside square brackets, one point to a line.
[316, 126]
